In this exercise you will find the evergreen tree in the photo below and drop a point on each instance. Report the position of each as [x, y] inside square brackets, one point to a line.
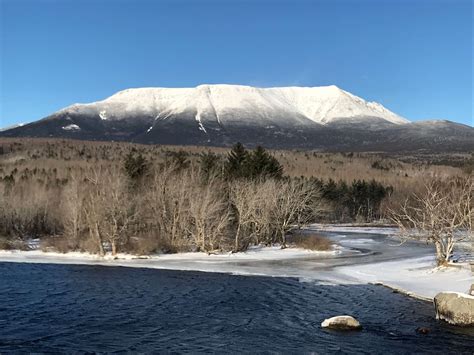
[361, 199]
[236, 164]
[135, 166]
[209, 164]
[263, 164]
[330, 190]
[179, 159]
[257, 164]
[9, 182]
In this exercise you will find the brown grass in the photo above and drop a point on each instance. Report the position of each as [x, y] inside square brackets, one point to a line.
[59, 244]
[12, 244]
[5, 244]
[310, 242]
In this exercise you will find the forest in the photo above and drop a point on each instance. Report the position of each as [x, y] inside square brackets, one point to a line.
[129, 198]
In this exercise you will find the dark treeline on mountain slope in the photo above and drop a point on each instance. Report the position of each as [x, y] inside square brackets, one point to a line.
[217, 202]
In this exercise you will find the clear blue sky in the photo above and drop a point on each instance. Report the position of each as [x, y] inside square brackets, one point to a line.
[414, 57]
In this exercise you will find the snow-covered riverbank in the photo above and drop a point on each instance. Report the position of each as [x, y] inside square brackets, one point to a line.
[416, 277]
[363, 255]
[250, 262]
[351, 228]
[253, 254]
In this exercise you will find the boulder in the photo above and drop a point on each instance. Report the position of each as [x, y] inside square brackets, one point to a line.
[341, 323]
[455, 308]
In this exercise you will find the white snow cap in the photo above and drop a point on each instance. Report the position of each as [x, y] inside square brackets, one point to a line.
[322, 105]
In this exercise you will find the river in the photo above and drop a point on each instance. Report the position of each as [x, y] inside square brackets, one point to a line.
[93, 308]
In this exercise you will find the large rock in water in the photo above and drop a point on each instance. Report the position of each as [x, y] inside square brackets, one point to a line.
[341, 323]
[455, 308]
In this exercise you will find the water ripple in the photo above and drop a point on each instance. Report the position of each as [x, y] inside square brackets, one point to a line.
[72, 308]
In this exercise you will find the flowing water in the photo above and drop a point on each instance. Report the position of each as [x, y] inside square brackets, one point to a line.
[79, 308]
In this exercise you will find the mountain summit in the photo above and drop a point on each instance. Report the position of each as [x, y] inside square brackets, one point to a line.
[242, 103]
[282, 117]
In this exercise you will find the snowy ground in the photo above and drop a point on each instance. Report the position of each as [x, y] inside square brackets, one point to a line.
[350, 228]
[416, 277]
[253, 253]
[251, 262]
[362, 255]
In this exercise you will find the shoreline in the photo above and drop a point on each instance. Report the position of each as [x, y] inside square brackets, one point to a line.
[229, 263]
[448, 279]
[383, 229]
[107, 263]
[403, 292]
[413, 276]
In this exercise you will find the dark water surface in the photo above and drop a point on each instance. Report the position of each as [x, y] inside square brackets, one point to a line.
[70, 308]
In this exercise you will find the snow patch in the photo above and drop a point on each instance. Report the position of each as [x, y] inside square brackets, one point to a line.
[198, 119]
[347, 228]
[414, 276]
[462, 295]
[103, 115]
[71, 127]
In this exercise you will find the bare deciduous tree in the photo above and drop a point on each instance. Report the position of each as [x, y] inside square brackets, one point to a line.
[72, 208]
[244, 200]
[109, 208]
[92, 208]
[441, 216]
[119, 210]
[168, 202]
[209, 216]
[295, 204]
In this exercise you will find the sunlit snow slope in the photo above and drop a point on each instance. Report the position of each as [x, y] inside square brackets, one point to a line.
[324, 118]
[235, 102]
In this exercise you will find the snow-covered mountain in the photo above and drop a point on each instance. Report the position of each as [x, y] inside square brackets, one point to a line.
[283, 105]
[283, 117]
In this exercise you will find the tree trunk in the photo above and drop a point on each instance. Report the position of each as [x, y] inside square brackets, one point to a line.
[449, 249]
[114, 248]
[440, 257]
[237, 236]
[99, 240]
[283, 238]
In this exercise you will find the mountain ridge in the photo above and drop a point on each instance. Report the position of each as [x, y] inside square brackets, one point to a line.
[319, 104]
[324, 118]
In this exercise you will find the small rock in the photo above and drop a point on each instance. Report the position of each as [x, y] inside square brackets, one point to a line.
[423, 330]
[341, 323]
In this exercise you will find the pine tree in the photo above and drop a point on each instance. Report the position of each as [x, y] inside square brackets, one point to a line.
[330, 190]
[236, 164]
[263, 164]
[209, 164]
[254, 165]
[135, 166]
